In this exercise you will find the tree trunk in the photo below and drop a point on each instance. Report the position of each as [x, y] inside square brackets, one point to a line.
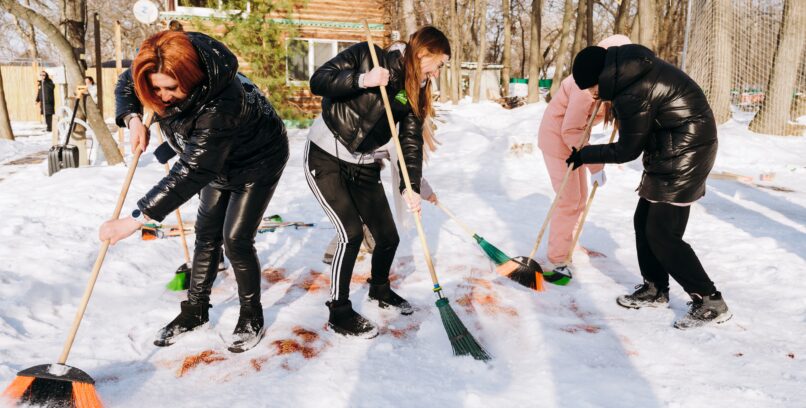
[622, 18]
[722, 64]
[589, 21]
[506, 70]
[5, 120]
[773, 117]
[456, 57]
[482, 12]
[410, 19]
[646, 15]
[535, 57]
[75, 32]
[562, 55]
[74, 74]
[580, 28]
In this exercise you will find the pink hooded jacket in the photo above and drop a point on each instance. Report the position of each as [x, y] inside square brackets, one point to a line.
[566, 116]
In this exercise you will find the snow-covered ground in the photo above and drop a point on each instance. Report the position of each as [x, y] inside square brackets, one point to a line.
[566, 347]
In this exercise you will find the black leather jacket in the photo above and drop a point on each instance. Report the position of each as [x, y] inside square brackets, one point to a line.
[225, 132]
[357, 117]
[662, 113]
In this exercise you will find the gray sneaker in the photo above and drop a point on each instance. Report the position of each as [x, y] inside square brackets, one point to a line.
[645, 295]
[704, 310]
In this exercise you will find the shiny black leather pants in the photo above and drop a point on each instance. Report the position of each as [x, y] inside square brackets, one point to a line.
[230, 217]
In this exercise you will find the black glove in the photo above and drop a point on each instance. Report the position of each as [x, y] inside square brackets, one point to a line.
[574, 158]
[164, 152]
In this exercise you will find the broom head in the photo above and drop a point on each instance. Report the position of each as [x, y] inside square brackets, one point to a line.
[527, 272]
[461, 340]
[54, 385]
[181, 280]
[495, 254]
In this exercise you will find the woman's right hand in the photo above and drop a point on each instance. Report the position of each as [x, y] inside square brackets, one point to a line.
[378, 76]
[138, 134]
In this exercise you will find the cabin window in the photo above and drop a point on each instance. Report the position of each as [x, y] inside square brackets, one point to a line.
[305, 56]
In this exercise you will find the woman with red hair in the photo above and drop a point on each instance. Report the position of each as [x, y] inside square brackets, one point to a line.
[232, 150]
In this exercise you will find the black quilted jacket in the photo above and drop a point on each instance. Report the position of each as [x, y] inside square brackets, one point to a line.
[662, 113]
[225, 132]
[356, 116]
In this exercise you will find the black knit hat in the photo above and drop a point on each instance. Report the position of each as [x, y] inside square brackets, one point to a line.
[588, 65]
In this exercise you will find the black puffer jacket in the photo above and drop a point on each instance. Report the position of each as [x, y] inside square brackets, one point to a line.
[662, 113]
[356, 116]
[225, 132]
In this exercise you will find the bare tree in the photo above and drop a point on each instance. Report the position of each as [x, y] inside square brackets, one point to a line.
[75, 73]
[646, 15]
[535, 57]
[507, 58]
[482, 11]
[5, 120]
[622, 18]
[562, 54]
[774, 113]
[456, 58]
[409, 17]
[580, 27]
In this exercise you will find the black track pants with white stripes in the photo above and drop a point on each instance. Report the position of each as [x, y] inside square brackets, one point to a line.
[352, 195]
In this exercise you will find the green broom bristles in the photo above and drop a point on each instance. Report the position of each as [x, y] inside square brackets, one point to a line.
[461, 340]
[178, 283]
[495, 254]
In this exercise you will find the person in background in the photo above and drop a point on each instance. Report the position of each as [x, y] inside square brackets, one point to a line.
[563, 124]
[92, 89]
[45, 99]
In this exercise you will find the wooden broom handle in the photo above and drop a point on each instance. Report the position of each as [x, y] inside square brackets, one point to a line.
[402, 161]
[456, 220]
[82, 307]
[177, 212]
[582, 141]
[587, 207]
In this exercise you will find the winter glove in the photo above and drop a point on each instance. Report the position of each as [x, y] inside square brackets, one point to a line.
[574, 158]
[599, 178]
[164, 152]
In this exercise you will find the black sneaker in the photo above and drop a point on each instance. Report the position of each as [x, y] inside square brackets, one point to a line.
[645, 295]
[249, 330]
[387, 298]
[704, 310]
[347, 322]
[190, 318]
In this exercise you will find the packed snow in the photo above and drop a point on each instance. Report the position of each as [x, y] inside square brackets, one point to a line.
[569, 346]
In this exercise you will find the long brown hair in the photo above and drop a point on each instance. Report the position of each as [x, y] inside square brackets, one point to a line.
[433, 41]
[170, 53]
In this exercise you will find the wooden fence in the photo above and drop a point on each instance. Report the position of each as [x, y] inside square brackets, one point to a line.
[20, 84]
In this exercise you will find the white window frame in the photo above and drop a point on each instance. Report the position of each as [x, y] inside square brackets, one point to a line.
[311, 60]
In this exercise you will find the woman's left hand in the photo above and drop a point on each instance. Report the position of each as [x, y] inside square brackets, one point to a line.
[413, 201]
[432, 198]
[115, 230]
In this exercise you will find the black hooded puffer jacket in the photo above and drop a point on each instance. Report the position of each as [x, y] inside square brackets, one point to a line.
[662, 113]
[357, 117]
[225, 132]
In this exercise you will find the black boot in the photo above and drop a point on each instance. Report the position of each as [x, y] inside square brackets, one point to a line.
[387, 298]
[646, 295]
[704, 310]
[191, 317]
[249, 330]
[347, 322]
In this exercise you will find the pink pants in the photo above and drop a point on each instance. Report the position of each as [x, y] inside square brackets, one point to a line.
[569, 207]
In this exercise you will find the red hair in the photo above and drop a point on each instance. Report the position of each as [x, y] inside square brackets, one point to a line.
[169, 53]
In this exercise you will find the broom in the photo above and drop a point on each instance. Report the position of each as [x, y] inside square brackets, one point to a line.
[181, 279]
[461, 340]
[495, 254]
[60, 384]
[525, 270]
[584, 216]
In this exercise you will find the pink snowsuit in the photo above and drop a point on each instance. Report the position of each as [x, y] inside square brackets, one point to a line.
[562, 126]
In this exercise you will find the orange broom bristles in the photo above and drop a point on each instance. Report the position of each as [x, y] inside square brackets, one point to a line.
[539, 282]
[18, 387]
[507, 267]
[84, 396]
